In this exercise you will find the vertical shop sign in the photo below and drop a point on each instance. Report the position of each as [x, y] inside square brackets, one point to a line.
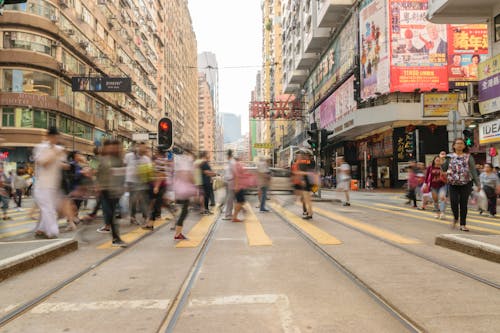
[374, 48]
[418, 48]
[489, 85]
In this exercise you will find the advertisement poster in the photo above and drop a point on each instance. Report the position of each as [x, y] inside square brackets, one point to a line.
[403, 170]
[418, 48]
[338, 105]
[374, 62]
[439, 104]
[489, 132]
[467, 47]
[489, 85]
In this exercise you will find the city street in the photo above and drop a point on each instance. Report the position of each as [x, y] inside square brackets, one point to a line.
[370, 267]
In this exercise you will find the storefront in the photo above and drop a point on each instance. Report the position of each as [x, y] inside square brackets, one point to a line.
[489, 137]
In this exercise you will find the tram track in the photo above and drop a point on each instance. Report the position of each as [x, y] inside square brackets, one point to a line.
[396, 313]
[25, 307]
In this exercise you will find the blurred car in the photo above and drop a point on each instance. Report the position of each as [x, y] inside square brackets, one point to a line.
[280, 179]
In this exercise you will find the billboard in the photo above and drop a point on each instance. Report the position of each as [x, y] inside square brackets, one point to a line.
[467, 47]
[101, 84]
[439, 104]
[489, 132]
[489, 85]
[374, 60]
[338, 105]
[418, 48]
[336, 63]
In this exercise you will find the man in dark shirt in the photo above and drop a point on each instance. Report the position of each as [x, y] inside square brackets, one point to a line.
[206, 176]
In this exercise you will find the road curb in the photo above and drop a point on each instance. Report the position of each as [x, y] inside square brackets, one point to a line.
[469, 246]
[25, 261]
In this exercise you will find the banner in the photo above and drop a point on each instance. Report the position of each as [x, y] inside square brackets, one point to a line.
[489, 85]
[439, 104]
[418, 48]
[467, 47]
[489, 132]
[336, 107]
[336, 63]
[101, 84]
[374, 61]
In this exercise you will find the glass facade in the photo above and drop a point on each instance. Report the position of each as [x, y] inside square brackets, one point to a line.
[28, 41]
[18, 80]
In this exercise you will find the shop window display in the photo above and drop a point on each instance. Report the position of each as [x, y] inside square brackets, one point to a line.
[16, 80]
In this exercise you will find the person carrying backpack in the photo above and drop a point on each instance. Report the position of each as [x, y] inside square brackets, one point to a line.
[461, 171]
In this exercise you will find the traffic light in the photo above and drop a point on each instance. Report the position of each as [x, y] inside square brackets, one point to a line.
[324, 137]
[314, 140]
[468, 137]
[165, 133]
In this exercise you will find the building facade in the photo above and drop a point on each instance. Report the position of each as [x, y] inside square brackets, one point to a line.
[206, 117]
[381, 82]
[232, 127]
[46, 43]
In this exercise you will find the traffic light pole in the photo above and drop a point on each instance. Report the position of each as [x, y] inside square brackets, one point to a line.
[317, 166]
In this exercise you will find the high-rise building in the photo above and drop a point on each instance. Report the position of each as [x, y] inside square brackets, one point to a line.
[206, 116]
[46, 43]
[207, 63]
[231, 124]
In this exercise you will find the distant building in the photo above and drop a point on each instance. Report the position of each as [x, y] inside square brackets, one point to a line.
[206, 117]
[231, 124]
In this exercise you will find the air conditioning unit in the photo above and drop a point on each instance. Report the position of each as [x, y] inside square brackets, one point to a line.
[63, 67]
[83, 44]
[101, 2]
[473, 98]
[110, 23]
[70, 32]
[64, 3]
[54, 18]
[56, 43]
[120, 60]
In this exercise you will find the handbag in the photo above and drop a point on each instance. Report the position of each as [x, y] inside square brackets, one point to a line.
[183, 190]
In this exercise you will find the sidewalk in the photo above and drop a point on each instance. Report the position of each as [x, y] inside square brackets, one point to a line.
[485, 247]
[17, 257]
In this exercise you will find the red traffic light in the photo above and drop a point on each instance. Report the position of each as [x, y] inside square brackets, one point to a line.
[164, 126]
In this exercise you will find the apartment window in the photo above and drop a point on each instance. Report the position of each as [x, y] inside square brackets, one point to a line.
[26, 118]
[497, 28]
[52, 120]
[15, 80]
[8, 117]
[39, 119]
[27, 41]
[65, 125]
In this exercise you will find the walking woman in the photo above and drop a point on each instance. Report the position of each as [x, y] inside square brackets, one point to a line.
[184, 188]
[461, 171]
[491, 186]
[435, 181]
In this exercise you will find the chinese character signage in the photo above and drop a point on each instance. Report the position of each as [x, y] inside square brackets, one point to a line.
[374, 61]
[489, 132]
[489, 85]
[276, 110]
[467, 46]
[101, 84]
[418, 48]
[263, 145]
[439, 104]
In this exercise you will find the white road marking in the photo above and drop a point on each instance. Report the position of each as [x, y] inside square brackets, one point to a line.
[281, 301]
[153, 304]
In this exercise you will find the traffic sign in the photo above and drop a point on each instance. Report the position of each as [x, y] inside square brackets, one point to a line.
[140, 136]
[263, 145]
[153, 136]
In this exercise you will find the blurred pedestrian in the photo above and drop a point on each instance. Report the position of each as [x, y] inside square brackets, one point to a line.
[18, 187]
[264, 177]
[344, 179]
[184, 187]
[140, 171]
[297, 179]
[461, 172]
[229, 182]
[242, 180]
[110, 179]
[435, 183]
[307, 171]
[206, 178]
[4, 195]
[490, 184]
[412, 183]
[159, 187]
[49, 158]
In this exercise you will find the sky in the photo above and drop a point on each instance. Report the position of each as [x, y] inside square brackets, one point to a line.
[232, 29]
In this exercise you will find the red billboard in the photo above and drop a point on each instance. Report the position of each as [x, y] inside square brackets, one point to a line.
[418, 48]
[467, 47]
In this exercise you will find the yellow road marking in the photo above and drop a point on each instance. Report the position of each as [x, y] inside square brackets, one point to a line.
[430, 213]
[386, 234]
[132, 235]
[321, 236]
[426, 218]
[254, 230]
[10, 225]
[198, 232]
[14, 233]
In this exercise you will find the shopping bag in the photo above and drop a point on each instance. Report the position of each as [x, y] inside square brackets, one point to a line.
[482, 200]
